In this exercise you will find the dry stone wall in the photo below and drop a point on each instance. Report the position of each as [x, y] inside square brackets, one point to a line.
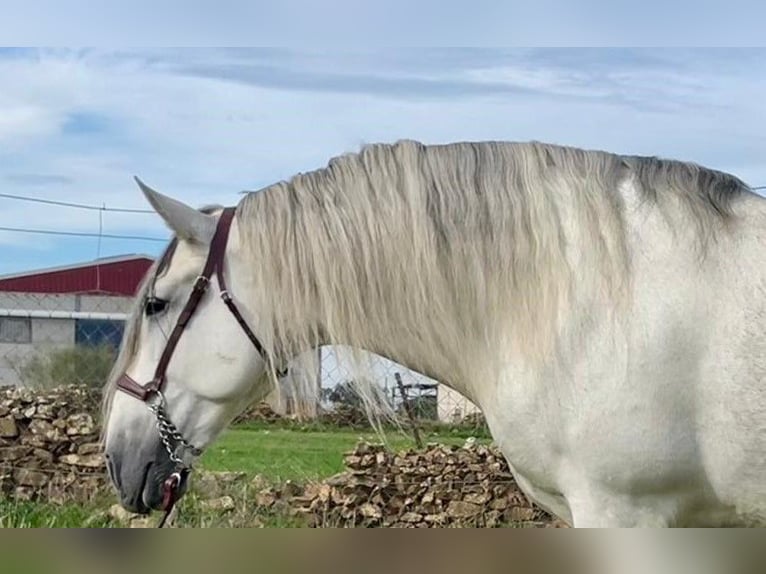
[49, 444]
[442, 486]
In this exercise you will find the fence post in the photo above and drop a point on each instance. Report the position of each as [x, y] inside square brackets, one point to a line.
[408, 410]
[318, 400]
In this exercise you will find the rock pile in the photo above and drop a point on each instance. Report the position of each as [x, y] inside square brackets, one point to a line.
[258, 413]
[345, 416]
[443, 486]
[49, 444]
[474, 421]
[49, 450]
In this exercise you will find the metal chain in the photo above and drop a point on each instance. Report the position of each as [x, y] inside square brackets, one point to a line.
[169, 434]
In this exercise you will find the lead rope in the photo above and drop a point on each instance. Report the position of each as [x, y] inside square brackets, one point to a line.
[169, 498]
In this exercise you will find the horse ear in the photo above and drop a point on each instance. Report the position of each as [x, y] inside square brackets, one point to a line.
[187, 222]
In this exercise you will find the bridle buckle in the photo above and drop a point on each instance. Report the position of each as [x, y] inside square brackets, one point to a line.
[201, 283]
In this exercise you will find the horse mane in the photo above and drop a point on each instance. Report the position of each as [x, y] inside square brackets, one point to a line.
[428, 252]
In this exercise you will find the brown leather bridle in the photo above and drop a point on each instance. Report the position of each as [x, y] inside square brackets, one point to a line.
[179, 450]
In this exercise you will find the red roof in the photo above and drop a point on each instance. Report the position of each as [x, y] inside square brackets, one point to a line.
[109, 276]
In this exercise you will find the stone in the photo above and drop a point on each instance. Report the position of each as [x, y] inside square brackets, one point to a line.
[43, 411]
[318, 491]
[142, 522]
[44, 456]
[353, 461]
[25, 493]
[36, 441]
[121, 515]
[45, 430]
[222, 504]
[27, 477]
[259, 482]
[479, 498]
[89, 448]
[290, 489]
[492, 519]
[521, 514]
[88, 460]
[266, 498]
[460, 509]
[337, 479]
[80, 424]
[440, 518]
[371, 511]
[6, 483]
[86, 488]
[8, 427]
[13, 453]
[205, 484]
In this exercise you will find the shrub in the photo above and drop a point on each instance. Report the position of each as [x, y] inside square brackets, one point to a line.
[82, 365]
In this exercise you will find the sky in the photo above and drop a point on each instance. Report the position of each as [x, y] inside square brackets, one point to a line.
[204, 124]
[343, 23]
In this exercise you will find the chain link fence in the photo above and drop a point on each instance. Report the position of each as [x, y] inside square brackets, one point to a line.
[48, 340]
[408, 392]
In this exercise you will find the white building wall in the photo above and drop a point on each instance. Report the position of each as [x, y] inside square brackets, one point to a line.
[37, 301]
[103, 304]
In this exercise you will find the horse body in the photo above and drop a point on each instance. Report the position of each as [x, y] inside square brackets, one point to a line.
[605, 313]
[656, 418]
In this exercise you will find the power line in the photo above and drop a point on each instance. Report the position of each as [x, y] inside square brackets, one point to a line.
[75, 205]
[82, 234]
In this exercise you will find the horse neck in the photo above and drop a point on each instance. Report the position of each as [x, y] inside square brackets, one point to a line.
[427, 343]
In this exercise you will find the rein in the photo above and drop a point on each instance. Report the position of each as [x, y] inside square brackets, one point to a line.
[180, 451]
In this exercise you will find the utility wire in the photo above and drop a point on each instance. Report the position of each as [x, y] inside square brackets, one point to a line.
[83, 234]
[76, 205]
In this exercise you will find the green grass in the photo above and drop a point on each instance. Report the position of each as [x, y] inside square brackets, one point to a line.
[276, 454]
[17, 514]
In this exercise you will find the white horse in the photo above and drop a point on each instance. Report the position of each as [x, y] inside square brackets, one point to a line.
[606, 313]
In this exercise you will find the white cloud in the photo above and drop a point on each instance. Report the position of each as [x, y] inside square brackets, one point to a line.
[203, 125]
[24, 124]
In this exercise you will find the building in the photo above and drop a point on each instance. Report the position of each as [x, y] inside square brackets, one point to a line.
[46, 310]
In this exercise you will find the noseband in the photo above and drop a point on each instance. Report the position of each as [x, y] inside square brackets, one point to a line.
[180, 451]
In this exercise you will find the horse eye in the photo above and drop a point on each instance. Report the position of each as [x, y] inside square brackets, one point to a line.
[154, 305]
